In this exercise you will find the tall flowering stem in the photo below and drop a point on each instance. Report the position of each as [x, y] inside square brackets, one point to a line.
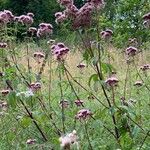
[62, 97]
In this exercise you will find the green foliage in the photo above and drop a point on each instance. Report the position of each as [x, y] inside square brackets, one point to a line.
[124, 17]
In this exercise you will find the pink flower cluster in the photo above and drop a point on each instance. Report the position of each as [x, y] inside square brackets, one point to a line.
[3, 45]
[107, 34]
[146, 19]
[5, 92]
[60, 17]
[112, 81]
[35, 86]
[6, 16]
[25, 19]
[44, 29]
[83, 114]
[79, 102]
[80, 17]
[131, 51]
[145, 67]
[60, 51]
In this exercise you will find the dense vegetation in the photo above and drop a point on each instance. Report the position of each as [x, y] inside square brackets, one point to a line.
[74, 75]
[122, 16]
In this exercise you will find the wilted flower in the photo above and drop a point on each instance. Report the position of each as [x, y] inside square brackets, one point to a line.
[68, 140]
[112, 81]
[79, 102]
[145, 67]
[131, 51]
[31, 141]
[3, 45]
[64, 103]
[60, 51]
[138, 83]
[107, 34]
[44, 29]
[5, 92]
[83, 114]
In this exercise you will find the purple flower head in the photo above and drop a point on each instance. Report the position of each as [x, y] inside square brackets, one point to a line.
[35, 86]
[112, 81]
[25, 20]
[44, 29]
[60, 51]
[83, 114]
[60, 18]
[6, 16]
[131, 51]
[9, 14]
[79, 102]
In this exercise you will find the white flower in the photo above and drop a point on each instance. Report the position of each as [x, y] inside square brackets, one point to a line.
[68, 140]
[25, 93]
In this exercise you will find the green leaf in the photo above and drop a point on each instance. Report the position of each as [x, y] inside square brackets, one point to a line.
[93, 77]
[25, 121]
[12, 101]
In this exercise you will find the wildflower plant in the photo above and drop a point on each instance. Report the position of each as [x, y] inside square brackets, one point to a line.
[105, 106]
